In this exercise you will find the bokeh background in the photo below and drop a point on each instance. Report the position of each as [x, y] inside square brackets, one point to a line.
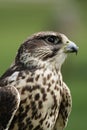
[21, 18]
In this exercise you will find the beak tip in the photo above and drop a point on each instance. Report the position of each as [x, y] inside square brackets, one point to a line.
[72, 48]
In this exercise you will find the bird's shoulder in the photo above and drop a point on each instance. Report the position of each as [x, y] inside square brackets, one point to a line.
[14, 73]
[9, 103]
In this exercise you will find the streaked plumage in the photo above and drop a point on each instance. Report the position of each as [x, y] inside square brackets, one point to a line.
[33, 95]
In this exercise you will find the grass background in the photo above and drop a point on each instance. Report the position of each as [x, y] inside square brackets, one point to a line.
[21, 18]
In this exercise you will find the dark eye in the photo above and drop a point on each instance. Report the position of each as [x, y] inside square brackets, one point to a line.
[53, 39]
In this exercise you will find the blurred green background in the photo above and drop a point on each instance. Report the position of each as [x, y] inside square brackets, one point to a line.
[21, 18]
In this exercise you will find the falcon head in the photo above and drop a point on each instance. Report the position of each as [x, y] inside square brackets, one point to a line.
[50, 48]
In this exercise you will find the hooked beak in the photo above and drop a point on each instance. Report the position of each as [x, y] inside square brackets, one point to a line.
[71, 48]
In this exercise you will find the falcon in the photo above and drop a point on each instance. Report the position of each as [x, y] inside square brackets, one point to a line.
[33, 95]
